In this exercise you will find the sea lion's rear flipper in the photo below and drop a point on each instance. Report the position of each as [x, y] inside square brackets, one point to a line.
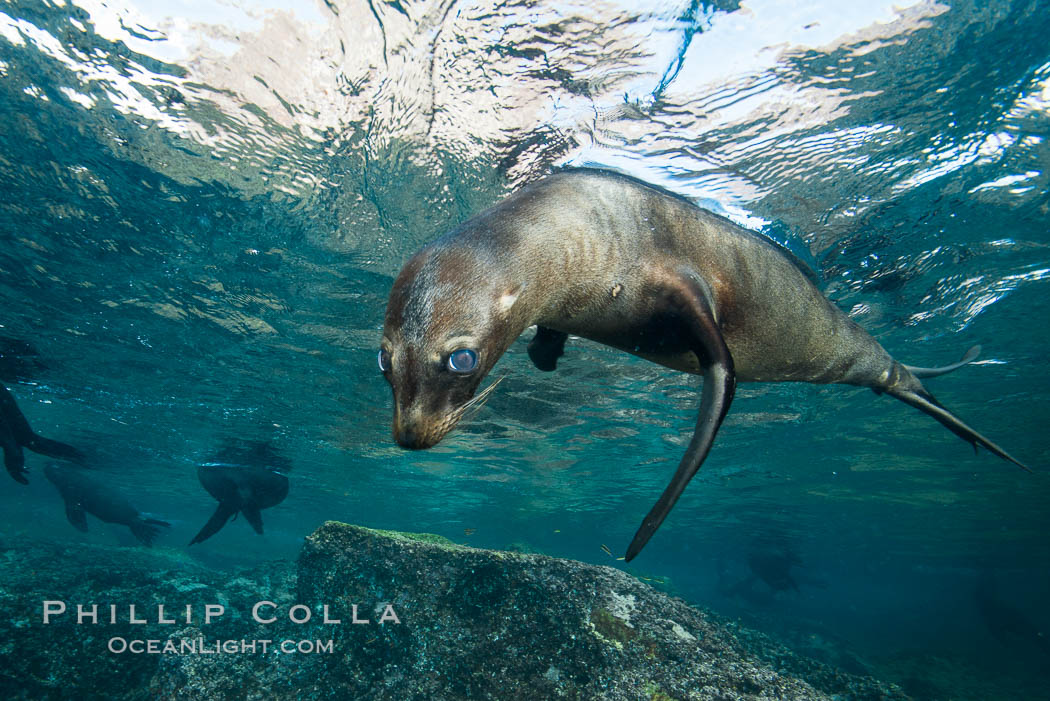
[546, 347]
[971, 355]
[19, 427]
[697, 313]
[252, 516]
[14, 457]
[216, 522]
[75, 514]
[54, 449]
[146, 529]
[924, 402]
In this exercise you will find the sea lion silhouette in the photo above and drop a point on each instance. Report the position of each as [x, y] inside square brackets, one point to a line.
[245, 479]
[15, 434]
[1012, 627]
[83, 494]
[774, 568]
[19, 360]
[612, 259]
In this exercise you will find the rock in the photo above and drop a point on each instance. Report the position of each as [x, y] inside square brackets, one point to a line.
[64, 659]
[457, 623]
[482, 624]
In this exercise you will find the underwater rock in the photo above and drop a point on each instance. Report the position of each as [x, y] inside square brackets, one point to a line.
[482, 624]
[470, 624]
[66, 659]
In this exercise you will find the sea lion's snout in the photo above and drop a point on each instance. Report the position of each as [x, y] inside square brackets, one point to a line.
[409, 438]
[429, 404]
[413, 439]
[419, 431]
[429, 400]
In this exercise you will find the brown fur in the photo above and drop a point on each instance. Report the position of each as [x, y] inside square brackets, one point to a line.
[611, 259]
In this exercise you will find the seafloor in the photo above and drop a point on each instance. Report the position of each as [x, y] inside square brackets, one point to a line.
[472, 624]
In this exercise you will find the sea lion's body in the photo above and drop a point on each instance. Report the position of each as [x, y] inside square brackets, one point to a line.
[16, 434]
[83, 495]
[244, 479]
[636, 238]
[611, 259]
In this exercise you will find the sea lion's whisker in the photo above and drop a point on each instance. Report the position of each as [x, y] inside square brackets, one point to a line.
[477, 402]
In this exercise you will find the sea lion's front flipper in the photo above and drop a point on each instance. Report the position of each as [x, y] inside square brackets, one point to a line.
[216, 522]
[23, 434]
[75, 514]
[13, 417]
[546, 347]
[14, 457]
[54, 449]
[924, 402]
[252, 516]
[697, 313]
[971, 355]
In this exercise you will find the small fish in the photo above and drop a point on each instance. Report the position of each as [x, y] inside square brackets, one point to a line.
[605, 549]
[469, 531]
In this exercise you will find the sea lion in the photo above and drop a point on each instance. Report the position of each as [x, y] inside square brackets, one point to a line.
[774, 568]
[1015, 629]
[85, 495]
[243, 479]
[19, 360]
[15, 434]
[769, 576]
[610, 258]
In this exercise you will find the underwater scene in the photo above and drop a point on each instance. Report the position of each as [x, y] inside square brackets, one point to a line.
[359, 349]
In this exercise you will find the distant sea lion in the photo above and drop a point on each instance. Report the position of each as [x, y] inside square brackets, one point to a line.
[86, 495]
[770, 567]
[243, 479]
[774, 568]
[609, 258]
[19, 360]
[1015, 629]
[16, 434]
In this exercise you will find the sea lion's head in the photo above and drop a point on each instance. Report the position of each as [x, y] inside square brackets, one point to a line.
[451, 314]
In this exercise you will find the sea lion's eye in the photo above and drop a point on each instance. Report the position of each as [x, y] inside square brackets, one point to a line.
[463, 360]
[384, 361]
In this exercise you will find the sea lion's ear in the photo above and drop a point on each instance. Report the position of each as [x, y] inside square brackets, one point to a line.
[508, 298]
